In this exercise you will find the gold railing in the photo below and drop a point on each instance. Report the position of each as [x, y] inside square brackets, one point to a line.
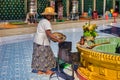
[98, 65]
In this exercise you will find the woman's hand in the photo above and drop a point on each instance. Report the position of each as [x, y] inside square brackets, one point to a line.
[54, 37]
[60, 41]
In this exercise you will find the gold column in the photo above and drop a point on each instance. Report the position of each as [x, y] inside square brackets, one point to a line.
[82, 6]
[36, 5]
[114, 4]
[25, 6]
[67, 7]
[104, 6]
[94, 5]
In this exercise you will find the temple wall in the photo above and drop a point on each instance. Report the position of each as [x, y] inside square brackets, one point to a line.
[17, 9]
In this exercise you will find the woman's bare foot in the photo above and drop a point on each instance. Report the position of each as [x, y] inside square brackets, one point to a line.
[49, 72]
[40, 72]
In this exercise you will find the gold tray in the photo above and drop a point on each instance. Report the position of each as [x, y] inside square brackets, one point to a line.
[59, 35]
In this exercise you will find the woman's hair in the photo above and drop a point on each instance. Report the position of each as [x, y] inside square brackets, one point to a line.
[82, 37]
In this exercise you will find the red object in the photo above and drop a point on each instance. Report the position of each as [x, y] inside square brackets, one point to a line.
[95, 15]
[106, 17]
[115, 14]
[80, 76]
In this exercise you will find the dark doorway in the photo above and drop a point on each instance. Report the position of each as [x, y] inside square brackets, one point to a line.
[117, 6]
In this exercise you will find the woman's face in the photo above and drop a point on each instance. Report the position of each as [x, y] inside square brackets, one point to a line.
[49, 17]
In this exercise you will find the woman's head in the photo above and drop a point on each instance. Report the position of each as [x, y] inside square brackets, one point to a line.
[49, 13]
[49, 17]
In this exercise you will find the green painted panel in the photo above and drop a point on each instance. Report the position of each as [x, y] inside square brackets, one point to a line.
[64, 8]
[41, 5]
[80, 6]
[109, 5]
[12, 9]
[99, 6]
[108, 48]
[88, 4]
[118, 3]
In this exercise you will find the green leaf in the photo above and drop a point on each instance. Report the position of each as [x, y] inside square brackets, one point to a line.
[94, 33]
[86, 33]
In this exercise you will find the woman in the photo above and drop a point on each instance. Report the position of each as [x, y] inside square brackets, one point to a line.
[43, 59]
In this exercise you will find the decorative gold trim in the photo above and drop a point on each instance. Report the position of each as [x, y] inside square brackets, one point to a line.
[25, 6]
[98, 65]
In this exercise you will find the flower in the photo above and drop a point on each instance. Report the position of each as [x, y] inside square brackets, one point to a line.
[89, 31]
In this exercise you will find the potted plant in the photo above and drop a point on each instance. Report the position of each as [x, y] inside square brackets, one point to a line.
[89, 31]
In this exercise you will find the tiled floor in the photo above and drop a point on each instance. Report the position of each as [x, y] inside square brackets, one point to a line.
[16, 54]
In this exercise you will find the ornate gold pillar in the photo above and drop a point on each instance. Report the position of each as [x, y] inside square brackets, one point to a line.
[104, 6]
[82, 6]
[25, 6]
[67, 7]
[94, 5]
[114, 4]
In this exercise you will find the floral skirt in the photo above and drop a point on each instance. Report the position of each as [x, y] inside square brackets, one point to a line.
[42, 58]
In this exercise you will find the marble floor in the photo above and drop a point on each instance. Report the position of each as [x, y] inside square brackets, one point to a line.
[16, 53]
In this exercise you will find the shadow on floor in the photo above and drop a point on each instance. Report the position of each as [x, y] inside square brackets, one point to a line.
[112, 30]
[64, 74]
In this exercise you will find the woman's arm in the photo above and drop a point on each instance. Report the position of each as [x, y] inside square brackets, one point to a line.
[49, 34]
